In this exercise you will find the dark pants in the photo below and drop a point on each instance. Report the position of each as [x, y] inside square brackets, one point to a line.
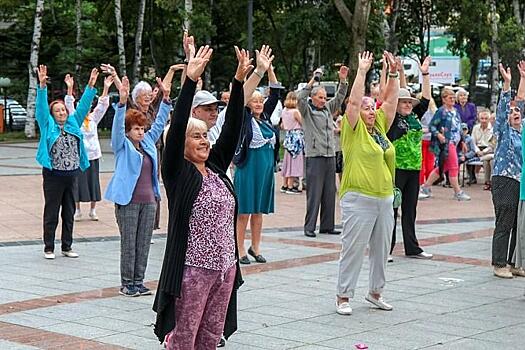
[58, 192]
[505, 197]
[408, 182]
[320, 172]
[135, 222]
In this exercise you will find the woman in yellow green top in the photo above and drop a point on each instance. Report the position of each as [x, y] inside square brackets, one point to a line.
[367, 186]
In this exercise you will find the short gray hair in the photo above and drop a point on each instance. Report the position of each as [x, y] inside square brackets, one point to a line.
[460, 92]
[316, 89]
[140, 88]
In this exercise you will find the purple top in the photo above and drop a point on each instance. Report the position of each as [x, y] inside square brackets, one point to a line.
[143, 192]
[211, 241]
[468, 114]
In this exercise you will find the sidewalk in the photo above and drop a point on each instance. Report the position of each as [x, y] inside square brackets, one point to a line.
[450, 302]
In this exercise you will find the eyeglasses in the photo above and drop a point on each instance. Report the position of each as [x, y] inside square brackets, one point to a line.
[515, 109]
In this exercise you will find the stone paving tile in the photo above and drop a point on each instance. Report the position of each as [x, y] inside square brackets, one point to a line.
[28, 320]
[467, 344]
[264, 342]
[79, 330]
[131, 341]
[7, 345]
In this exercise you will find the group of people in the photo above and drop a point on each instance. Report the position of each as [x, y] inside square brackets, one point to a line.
[382, 146]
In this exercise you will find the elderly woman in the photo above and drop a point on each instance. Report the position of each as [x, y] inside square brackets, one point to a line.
[87, 183]
[134, 186]
[506, 177]
[200, 273]
[467, 110]
[445, 128]
[254, 177]
[62, 155]
[367, 186]
[405, 133]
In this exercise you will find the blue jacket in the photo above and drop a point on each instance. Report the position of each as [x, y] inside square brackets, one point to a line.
[128, 161]
[50, 131]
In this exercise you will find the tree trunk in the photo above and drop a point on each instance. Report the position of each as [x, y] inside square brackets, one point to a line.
[30, 131]
[120, 39]
[474, 63]
[78, 46]
[138, 42]
[357, 22]
[391, 40]
[494, 18]
[517, 12]
[188, 7]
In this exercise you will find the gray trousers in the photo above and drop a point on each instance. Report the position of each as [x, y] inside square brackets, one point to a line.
[366, 221]
[135, 223]
[320, 177]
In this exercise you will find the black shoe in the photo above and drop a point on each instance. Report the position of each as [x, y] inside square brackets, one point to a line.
[259, 258]
[222, 342]
[330, 232]
[284, 189]
[244, 260]
[309, 233]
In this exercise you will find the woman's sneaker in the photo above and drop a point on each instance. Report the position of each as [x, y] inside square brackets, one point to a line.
[143, 290]
[293, 191]
[461, 196]
[425, 192]
[284, 189]
[129, 291]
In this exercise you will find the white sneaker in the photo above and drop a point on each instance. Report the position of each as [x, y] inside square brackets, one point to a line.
[69, 254]
[93, 216]
[343, 308]
[390, 258]
[49, 255]
[380, 303]
[461, 196]
[78, 215]
[422, 255]
[425, 191]
[422, 195]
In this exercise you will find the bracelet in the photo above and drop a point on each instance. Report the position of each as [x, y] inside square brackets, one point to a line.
[393, 75]
[427, 73]
[260, 75]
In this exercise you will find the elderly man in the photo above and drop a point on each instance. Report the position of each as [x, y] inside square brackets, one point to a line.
[484, 141]
[320, 152]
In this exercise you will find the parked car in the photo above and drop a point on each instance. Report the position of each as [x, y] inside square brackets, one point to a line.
[15, 115]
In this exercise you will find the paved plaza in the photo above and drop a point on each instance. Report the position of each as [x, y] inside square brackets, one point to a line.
[450, 302]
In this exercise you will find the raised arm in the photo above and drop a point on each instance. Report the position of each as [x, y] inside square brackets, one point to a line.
[383, 79]
[263, 60]
[109, 69]
[521, 88]
[163, 113]
[84, 104]
[422, 107]
[502, 111]
[69, 100]
[389, 105]
[118, 129]
[335, 103]
[224, 149]
[401, 71]
[273, 98]
[103, 101]
[358, 88]
[175, 138]
[42, 112]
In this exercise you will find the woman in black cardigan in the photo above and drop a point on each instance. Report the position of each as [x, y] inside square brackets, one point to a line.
[188, 166]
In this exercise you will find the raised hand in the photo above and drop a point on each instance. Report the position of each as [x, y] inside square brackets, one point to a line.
[197, 64]
[177, 67]
[108, 81]
[42, 75]
[521, 68]
[263, 58]
[188, 43]
[93, 77]
[244, 65]
[426, 65]
[68, 79]
[108, 69]
[505, 73]
[399, 63]
[343, 73]
[165, 88]
[392, 63]
[124, 91]
[366, 58]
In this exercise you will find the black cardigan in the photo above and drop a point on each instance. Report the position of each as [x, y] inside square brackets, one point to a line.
[182, 182]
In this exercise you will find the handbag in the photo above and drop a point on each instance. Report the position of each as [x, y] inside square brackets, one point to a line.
[397, 197]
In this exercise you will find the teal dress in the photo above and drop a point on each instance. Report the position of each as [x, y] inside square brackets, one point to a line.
[254, 182]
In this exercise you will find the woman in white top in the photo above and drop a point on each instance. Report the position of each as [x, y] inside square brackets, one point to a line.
[87, 184]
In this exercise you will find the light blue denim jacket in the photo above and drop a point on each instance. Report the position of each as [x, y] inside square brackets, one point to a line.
[50, 131]
[128, 161]
[507, 157]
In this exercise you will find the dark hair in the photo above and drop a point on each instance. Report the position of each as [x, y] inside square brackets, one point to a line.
[135, 117]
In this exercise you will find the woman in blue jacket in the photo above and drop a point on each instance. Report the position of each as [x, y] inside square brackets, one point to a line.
[62, 156]
[134, 187]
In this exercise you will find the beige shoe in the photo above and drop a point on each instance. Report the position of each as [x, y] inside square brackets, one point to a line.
[517, 271]
[503, 272]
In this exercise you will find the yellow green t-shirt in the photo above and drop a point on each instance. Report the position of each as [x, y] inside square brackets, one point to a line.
[367, 168]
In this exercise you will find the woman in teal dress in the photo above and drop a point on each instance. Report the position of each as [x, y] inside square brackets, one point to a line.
[254, 176]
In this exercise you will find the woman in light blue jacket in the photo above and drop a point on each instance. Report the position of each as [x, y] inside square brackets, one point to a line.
[62, 156]
[134, 187]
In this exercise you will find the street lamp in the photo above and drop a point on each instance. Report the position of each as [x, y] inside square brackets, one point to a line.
[4, 84]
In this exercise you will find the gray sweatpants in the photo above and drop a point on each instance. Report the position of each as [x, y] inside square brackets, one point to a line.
[135, 223]
[320, 193]
[366, 221]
